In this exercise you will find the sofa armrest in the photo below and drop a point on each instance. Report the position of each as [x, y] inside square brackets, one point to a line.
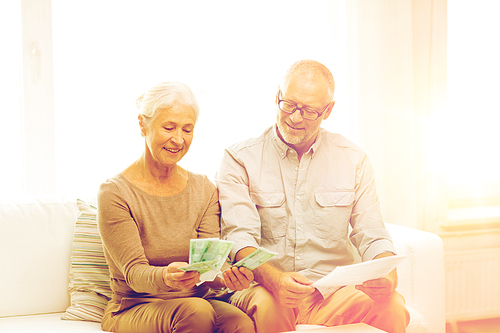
[421, 275]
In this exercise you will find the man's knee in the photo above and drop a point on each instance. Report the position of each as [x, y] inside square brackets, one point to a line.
[264, 309]
[390, 316]
[256, 299]
[395, 313]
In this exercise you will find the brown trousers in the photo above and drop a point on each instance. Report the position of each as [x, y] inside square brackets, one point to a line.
[346, 306]
[183, 315]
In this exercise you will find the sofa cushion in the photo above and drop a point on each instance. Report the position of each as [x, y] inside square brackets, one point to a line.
[35, 246]
[47, 323]
[89, 275]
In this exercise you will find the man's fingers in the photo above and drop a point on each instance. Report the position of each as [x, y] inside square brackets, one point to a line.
[376, 283]
[247, 273]
[300, 289]
[299, 278]
[236, 279]
[376, 294]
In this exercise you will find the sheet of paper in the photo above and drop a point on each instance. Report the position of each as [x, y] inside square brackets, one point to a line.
[357, 273]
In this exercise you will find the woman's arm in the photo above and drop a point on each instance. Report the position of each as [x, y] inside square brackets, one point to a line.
[122, 241]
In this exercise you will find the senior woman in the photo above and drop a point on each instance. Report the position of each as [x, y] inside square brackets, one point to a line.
[147, 215]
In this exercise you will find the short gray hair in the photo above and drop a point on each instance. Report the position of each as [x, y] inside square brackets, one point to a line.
[309, 68]
[165, 94]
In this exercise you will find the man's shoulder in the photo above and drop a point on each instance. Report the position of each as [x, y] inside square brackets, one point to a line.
[251, 143]
[339, 141]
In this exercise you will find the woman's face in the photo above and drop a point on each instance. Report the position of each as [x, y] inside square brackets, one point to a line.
[169, 134]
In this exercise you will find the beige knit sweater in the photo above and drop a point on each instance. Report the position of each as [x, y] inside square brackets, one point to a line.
[142, 233]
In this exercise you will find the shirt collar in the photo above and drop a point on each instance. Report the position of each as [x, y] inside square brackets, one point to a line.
[283, 148]
[280, 145]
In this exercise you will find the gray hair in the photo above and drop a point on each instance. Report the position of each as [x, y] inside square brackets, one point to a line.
[309, 68]
[163, 96]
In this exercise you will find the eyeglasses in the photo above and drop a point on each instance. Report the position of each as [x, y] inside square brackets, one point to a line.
[306, 112]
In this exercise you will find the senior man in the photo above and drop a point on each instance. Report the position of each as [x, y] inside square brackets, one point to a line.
[295, 190]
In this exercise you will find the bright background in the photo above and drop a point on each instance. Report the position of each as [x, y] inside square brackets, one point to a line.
[416, 89]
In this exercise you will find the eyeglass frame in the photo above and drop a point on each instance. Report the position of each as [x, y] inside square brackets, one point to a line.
[300, 109]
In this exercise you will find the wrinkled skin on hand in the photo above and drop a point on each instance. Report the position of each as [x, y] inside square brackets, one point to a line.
[292, 289]
[177, 279]
[381, 290]
[237, 278]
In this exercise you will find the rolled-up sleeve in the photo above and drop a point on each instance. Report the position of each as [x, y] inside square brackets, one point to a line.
[369, 234]
[240, 221]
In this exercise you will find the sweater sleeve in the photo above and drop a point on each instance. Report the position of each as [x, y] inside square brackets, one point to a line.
[209, 226]
[122, 242]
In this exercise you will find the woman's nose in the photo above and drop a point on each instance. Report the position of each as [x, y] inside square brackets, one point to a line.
[177, 137]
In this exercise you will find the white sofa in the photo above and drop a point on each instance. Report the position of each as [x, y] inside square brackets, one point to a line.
[36, 238]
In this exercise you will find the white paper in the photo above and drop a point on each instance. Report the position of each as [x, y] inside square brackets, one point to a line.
[356, 274]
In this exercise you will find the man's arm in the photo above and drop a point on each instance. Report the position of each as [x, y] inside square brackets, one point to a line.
[240, 222]
[289, 288]
[381, 290]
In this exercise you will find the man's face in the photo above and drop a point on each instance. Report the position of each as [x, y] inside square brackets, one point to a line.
[305, 92]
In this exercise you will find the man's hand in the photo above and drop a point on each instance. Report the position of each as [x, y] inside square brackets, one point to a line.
[177, 279]
[292, 288]
[380, 290]
[289, 288]
[237, 278]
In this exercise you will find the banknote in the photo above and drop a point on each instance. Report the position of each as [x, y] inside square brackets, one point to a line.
[197, 248]
[201, 267]
[212, 250]
[256, 258]
[217, 250]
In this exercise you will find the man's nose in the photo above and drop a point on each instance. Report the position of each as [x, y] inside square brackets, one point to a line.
[296, 116]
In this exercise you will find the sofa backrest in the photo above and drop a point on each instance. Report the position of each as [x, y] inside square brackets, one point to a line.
[36, 237]
[421, 276]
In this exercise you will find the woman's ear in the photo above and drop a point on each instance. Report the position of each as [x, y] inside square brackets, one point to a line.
[142, 125]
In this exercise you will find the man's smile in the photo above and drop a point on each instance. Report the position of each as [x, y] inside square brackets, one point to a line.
[294, 128]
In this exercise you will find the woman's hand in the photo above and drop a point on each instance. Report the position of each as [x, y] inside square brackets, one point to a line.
[177, 279]
[237, 278]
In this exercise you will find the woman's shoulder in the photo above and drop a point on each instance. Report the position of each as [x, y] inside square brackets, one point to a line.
[114, 186]
[113, 183]
[200, 181]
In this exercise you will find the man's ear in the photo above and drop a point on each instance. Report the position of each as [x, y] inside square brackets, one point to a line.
[328, 110]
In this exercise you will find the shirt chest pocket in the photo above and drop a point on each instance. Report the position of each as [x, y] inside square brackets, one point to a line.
[272, 211]
[333, 214]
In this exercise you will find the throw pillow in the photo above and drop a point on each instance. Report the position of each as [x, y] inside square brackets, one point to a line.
[89, 275]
